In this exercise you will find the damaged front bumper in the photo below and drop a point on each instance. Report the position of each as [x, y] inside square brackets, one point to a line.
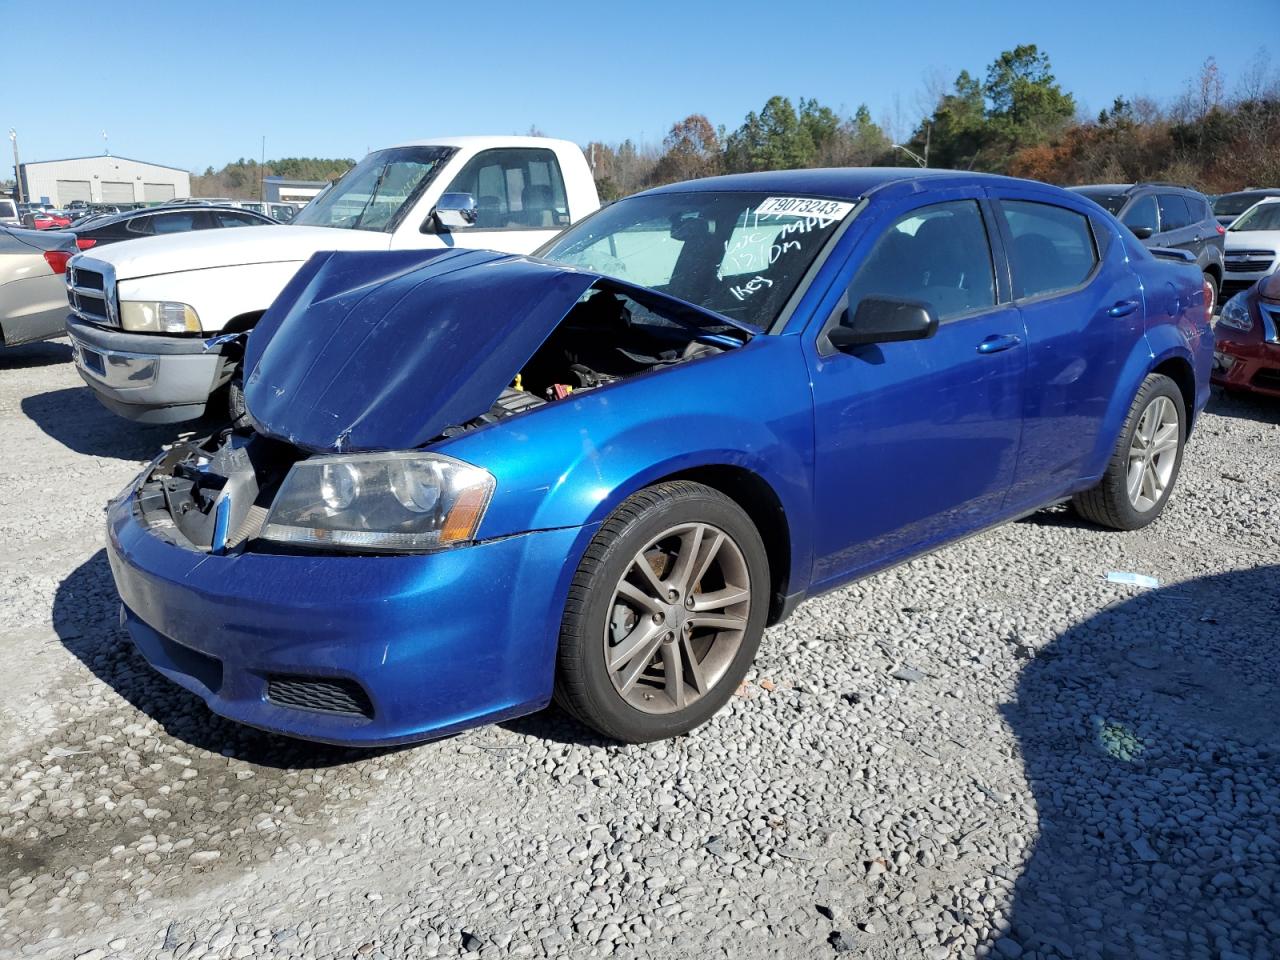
[147, 377]
[345, 649]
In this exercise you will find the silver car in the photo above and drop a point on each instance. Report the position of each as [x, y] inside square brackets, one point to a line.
[33, 292]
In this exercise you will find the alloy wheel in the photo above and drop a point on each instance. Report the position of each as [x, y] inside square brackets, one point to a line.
[1153, 453]
[677, 618]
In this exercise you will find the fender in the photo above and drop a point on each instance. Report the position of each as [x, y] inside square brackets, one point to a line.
[572, 462]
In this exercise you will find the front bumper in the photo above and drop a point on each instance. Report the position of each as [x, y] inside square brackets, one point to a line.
[1251, 367]
[147, 377]
[436, 642]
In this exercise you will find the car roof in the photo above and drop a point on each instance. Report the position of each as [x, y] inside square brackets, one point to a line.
[841, 183]
[109, 218]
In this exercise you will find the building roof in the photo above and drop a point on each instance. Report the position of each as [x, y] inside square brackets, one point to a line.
[106, 156]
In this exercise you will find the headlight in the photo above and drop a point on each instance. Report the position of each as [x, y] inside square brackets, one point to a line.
[380, 501]
[158, 316]
[1235, 313]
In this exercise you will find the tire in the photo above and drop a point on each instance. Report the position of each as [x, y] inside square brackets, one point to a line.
[1112, 503]
[1213, 283]
[637, 553]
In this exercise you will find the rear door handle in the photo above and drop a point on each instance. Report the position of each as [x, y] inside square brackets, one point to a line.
[998, 342]
[1122, 308]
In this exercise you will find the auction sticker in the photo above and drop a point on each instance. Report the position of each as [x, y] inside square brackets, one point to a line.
[804, 207]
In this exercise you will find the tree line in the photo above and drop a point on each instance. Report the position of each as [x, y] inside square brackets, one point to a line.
[1014, 118]
[240, 180]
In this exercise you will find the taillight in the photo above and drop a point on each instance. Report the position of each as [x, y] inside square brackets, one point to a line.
[57, 259]
[1208, 301]
[1222, 231]
[84, 243]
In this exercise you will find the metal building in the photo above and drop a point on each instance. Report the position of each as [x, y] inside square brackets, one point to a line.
[284, 189]
[103, 180]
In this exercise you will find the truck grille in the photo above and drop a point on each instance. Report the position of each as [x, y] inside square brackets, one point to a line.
[327, 695]
[1249, 261]
[91, 292]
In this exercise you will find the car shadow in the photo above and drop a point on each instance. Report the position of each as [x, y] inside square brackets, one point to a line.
[1151, 742]
[44, 353]
[1244, 406]
[74, 418]
[85, 618]
[556, 725]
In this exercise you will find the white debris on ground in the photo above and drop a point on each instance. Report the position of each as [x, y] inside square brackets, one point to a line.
[991, 751]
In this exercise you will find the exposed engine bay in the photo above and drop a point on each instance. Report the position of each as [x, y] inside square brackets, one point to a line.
[215, 494]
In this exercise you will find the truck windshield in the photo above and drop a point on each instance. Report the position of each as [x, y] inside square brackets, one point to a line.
[741, 255]
[378, 191]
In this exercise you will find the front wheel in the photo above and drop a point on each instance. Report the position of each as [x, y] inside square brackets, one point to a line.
[1145, 462]
[664, 615]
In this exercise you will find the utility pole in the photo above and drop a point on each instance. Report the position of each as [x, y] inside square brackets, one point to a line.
[262, 171]
[17, 167]
[106, 147]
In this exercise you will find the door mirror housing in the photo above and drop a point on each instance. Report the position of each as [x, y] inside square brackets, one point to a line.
[884, 320]
[1142, 233]
[455, 211]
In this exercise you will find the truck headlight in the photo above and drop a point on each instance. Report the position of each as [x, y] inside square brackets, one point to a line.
[1235, 313]
[406, 501]
[158, 316]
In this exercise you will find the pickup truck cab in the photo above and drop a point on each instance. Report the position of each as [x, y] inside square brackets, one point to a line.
[154, 321]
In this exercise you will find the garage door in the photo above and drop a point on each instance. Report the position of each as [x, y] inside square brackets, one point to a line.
[157, 192]
[113, 192]
[69, 190]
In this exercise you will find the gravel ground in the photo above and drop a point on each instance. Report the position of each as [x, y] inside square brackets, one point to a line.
[991, 751]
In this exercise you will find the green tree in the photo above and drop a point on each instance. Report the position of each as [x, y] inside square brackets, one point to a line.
[1027, 106]
[955, 135]
[775, 139]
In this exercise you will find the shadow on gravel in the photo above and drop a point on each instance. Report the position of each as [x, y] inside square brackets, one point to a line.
[42, 354]
[85, 618]
[76, 419]
[1244, 406]
[1151, 741]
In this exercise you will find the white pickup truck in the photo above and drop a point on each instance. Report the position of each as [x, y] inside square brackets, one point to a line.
[151, 319]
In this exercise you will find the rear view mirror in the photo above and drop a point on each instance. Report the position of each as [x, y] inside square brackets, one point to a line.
[455, 211]
[1142, 233]
[884, 320]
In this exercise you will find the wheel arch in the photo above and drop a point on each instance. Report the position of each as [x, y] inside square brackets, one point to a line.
[1178, 369]
[242, 322]
[762, 505]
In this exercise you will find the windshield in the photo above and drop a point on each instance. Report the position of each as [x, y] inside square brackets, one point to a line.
[378, 191]
[1234, 204]
[1265, 216]
[740, 254]
[1110, 202]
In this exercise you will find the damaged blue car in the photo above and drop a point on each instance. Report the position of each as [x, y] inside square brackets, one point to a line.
[471, 482]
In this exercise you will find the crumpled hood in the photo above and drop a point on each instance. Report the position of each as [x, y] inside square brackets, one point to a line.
[230, 246]
[365, 351]
[383, 351]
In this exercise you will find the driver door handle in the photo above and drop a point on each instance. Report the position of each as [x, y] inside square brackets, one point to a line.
[998, 342]
[1122, 308]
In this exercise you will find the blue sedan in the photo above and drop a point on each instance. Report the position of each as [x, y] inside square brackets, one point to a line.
[473, 482]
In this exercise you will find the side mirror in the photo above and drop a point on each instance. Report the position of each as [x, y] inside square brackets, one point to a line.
[455, 211]
[1142, 233]
[884, 320]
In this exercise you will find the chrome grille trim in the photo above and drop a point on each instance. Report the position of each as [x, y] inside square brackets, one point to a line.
[91, 291]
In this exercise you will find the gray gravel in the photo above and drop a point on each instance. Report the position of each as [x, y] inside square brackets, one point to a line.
[991, 751]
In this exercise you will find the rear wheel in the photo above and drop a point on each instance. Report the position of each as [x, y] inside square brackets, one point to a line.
[1212, 293]
[664, 615]
[1146, 460]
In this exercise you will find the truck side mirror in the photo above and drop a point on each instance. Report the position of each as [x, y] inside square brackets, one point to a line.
[455, 211]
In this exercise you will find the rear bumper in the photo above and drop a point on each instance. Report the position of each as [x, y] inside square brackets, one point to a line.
[33, 308]
[146, 377]
[437, 643]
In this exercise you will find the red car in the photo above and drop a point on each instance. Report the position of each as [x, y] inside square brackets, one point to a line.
[1246, 354]
[50, 220]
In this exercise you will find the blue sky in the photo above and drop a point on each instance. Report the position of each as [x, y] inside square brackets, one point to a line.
[334, 79]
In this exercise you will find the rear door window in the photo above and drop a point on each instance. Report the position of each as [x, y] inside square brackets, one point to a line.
[1051, 248]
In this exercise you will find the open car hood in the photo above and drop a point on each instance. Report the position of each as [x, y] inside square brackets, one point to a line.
[383, 351]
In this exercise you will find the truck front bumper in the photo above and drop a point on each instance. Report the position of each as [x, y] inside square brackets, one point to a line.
[144, 376]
